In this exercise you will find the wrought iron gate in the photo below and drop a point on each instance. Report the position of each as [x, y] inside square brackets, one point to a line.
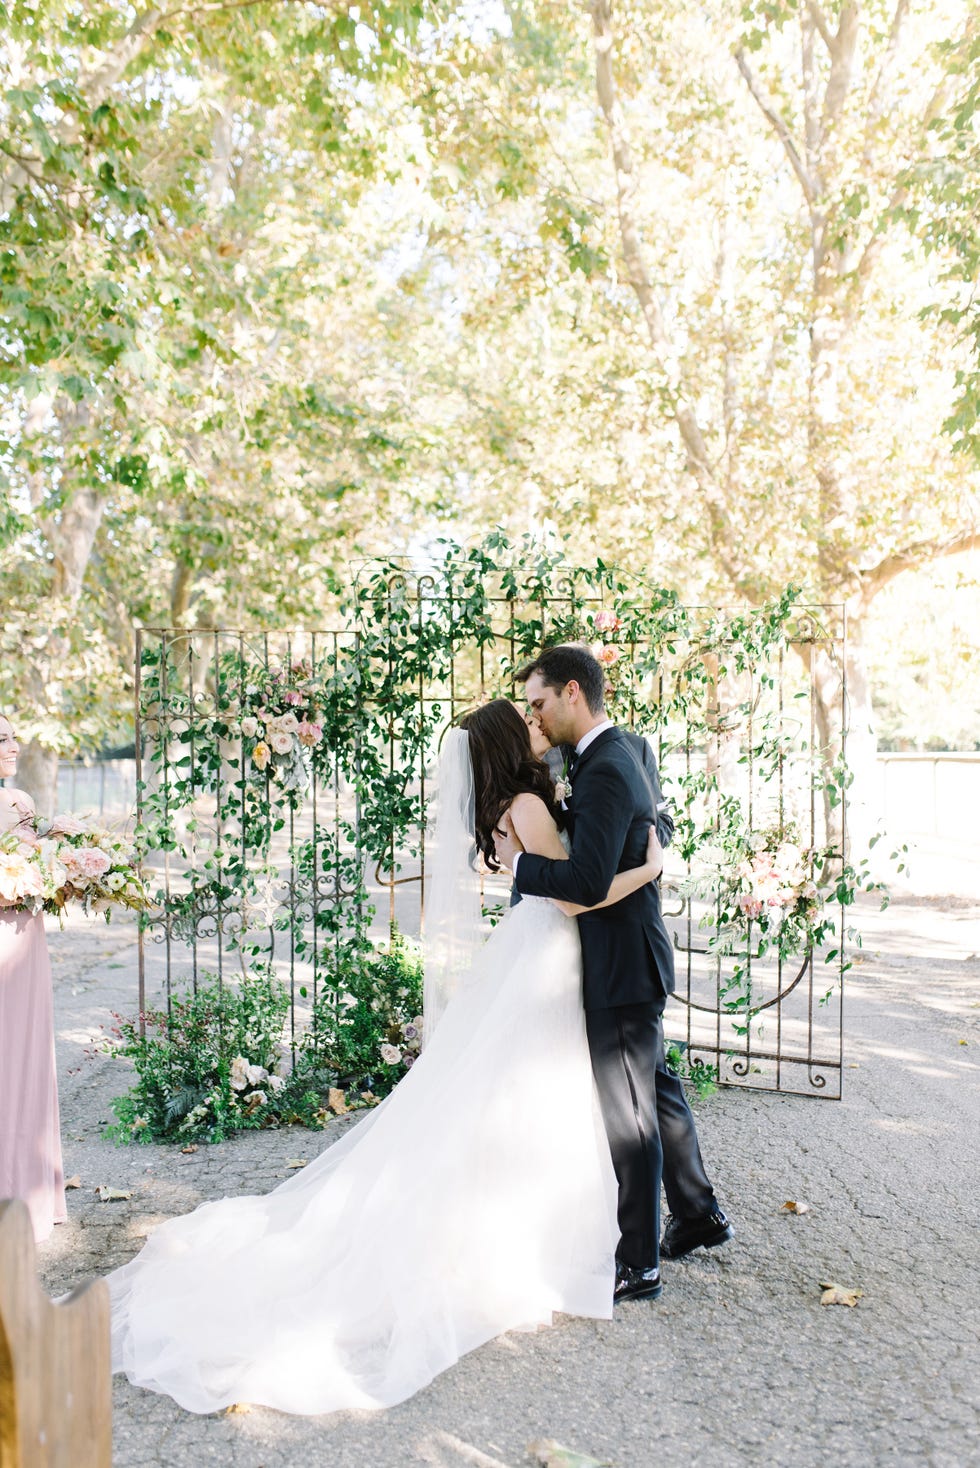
[275, 854]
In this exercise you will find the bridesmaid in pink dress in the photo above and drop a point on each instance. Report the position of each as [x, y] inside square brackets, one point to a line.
[30, 1135]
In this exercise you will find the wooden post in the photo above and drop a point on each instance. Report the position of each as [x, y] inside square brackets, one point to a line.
[55, 1364]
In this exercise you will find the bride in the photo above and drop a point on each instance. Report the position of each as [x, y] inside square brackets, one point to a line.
[478, 1198]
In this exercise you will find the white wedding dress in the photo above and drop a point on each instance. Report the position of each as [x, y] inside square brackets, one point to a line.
[478, 1198]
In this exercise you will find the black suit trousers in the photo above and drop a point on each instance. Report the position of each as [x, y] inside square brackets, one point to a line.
[648, 1121]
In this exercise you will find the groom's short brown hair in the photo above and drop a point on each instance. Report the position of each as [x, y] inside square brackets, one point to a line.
[556, 666]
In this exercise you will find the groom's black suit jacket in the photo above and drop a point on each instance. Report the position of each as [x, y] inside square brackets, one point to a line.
[627, 956]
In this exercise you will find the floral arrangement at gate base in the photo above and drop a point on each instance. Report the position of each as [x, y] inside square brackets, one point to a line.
[404, 1043]
[218, 1062]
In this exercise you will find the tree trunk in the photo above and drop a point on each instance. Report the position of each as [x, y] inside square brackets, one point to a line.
[37, 773]
[71, 539]
[841, 693]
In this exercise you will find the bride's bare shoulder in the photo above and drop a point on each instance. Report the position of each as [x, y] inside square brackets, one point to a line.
[530, 814]
[535, 826]
[527, 803]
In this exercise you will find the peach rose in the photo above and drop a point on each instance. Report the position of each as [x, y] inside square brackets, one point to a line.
[19, 878]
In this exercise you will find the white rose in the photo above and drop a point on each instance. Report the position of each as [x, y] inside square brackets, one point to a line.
[115, 881]
[390, 1054]
[239, 1073]
[276, 1084]
[250, 727]
[254, 1074]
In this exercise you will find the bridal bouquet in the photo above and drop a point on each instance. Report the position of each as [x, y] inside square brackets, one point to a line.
[92, 866]
[69, 861]
[27, 881]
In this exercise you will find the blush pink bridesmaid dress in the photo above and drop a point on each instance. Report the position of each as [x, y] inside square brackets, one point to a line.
[30, 1134]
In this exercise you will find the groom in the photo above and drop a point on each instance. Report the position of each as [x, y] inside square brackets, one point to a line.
[628, 972]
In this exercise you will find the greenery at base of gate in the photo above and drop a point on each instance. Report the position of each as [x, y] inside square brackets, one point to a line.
[375, 998]
[183, 1059]
[218, 1062]
[250, 732]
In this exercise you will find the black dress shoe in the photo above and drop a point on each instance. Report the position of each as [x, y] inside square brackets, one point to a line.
[636, 1284]
[683, 1235]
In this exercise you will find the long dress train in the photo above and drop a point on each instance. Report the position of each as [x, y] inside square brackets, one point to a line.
[478, 1198]
[30, 1133]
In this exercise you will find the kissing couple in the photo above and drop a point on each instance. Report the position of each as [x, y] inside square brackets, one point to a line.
[516, 1169]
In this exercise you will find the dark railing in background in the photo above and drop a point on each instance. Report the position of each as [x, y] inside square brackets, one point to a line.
[102, 787]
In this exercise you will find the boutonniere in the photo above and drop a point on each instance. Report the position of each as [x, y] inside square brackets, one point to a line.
[563, 785]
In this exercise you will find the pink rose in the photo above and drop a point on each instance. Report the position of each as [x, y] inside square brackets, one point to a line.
[310, 734]
[67, 825]
[607, 622]
[92, 862]
[608, 654]
[292, 697]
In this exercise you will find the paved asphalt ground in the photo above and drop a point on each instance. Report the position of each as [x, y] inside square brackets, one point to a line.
[739, 1363]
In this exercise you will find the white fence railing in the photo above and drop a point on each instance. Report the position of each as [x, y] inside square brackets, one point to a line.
[105, 787]
[922, 794]
[931, 794]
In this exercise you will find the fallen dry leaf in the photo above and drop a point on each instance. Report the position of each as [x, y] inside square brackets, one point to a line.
[191, 1147]
[835, 1294]
[73, 1182]
[295, 1161]
[336, 1101]
[239, 1408]
[549, 1454]
[112, 1195]
[792, 1207]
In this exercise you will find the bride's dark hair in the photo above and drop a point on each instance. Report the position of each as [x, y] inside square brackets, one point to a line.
[503, 766]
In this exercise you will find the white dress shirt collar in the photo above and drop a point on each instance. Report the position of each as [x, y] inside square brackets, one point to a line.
[587, 739]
